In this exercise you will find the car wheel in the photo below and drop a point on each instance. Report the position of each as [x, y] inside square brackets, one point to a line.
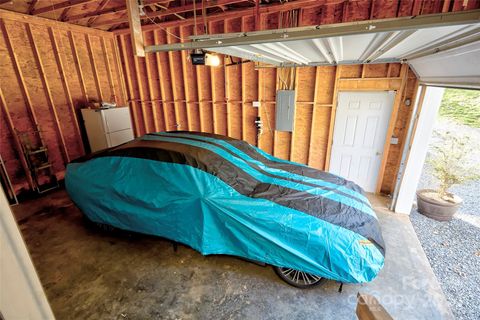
[297, 278]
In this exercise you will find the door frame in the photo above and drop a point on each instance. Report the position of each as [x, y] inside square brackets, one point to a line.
[373, 84]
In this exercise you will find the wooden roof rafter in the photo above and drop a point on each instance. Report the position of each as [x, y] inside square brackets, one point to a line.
[59, 6]
[170, 11]
[236, 13]
[101, 10]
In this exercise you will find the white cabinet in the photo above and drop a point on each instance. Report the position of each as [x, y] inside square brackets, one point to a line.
[107, 127]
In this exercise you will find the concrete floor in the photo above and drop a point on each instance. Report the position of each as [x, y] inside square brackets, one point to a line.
[89, 274]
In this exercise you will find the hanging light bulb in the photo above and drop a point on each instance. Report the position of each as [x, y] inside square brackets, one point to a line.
[212, 60]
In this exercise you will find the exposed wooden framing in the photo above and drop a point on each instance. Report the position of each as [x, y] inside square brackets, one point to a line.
[218, 88]
[111, 83]
[118, 68]
[391, 126]
[100, 7]
[19, 75]
[143, 100]
[94, 67]
[62, 5]
[154, 104]
[64, 14]
[95, 14]
[48, 93]
[243, 76]
[66, 88]
[170, 11]
[314, 113]
[187, 78]
[131, 96]
[31, 7]
[16, 141]
[135, 28]
[160, 71]
[369, 84]
[257, 15]
[44, 22]
[233, 91]
[300, 143]
[217, 119]
[232, 14]
[201, 106]
[403, 136]
[332, 119]
[48, 98]
[78, 66]
[179, 116]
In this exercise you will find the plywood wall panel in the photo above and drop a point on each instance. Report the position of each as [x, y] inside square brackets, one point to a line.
[375, 70]
[36, 90]
[46, 81]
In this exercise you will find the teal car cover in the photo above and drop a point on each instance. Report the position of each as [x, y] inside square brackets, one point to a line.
[224, 196]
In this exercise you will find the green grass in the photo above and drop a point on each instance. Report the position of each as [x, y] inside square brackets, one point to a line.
[462, 106]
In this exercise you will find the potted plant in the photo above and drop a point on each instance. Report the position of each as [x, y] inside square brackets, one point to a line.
[451, 164]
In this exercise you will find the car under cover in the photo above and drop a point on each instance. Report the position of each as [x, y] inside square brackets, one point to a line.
[220, 195]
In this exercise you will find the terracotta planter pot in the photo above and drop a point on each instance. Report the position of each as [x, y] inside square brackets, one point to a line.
[437, 209]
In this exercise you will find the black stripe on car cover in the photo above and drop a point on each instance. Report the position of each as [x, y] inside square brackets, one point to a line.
[256, 167]
[292, 168]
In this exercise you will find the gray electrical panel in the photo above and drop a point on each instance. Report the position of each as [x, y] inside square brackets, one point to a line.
[285, 110]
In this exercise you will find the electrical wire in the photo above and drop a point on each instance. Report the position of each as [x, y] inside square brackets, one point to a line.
[166, 30]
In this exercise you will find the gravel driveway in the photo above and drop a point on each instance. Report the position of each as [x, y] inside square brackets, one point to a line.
[453, 248]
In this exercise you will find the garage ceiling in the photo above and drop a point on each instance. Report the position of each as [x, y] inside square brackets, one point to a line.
[450, 40]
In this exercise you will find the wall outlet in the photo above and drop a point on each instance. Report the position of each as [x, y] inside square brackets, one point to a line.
[256, 104]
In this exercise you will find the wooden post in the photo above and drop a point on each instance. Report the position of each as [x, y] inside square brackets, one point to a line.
[135, 28]
[391, 126]
[368, 308]
[332, 119]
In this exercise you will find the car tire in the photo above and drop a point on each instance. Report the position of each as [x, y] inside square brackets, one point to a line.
[297, 278]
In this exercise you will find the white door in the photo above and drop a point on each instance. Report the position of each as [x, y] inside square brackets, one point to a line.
[361, 125]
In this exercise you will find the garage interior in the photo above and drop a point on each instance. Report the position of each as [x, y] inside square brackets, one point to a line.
[59, 57]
